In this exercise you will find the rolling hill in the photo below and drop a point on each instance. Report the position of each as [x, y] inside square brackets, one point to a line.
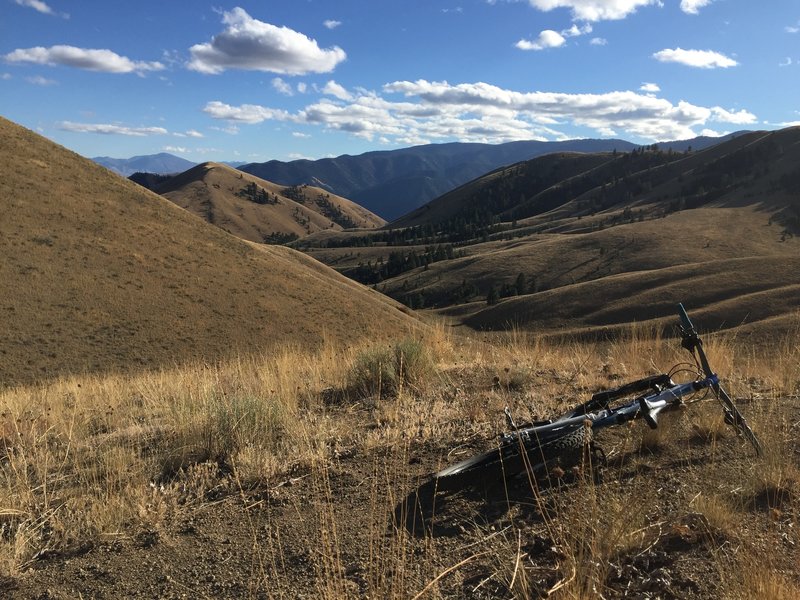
[99, 274]
[394, 182]
[260, 211]
[565, 236]
[391, 183]
[162, 164]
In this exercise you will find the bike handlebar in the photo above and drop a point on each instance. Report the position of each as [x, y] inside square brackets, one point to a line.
[685, 321]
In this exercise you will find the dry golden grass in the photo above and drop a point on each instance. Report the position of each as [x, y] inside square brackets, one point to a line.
[105, 457]
[212, 192]
[739, 271]
[99, 274]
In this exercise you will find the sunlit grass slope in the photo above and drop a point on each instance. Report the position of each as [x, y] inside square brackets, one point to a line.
[98, 273]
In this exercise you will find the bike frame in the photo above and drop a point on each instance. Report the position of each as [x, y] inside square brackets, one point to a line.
[646, 406]
[664, 394]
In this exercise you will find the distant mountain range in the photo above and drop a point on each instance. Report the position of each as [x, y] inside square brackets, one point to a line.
[393, 182]
[161, 164]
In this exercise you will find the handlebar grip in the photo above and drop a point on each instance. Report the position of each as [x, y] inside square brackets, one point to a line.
[687, 324]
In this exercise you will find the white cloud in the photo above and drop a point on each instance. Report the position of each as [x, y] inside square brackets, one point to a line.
[302, 87]
[793, 28]
[42, 7]
[650, 88]
[176, 149]
[110, 129]
[713, 133]
[104, 61]
[301, 135]
[594, 10]
[598, 41]
[39, 80]
[547, 39]
[701, 59]
[786, 62]
[5, 76]
[553, 39]
[692, 7]
[250, 44]
[741, 117]
[192, 133]
[282, 87]
[230, 129]
[481, 112]
[337, 91]
[575, 31]
[331, 23]
[246, 113]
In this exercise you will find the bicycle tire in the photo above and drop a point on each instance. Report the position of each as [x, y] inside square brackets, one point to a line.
[565, 450]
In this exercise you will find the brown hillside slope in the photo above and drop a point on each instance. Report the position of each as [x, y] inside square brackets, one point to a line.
[100, 274]
[558, 260]
[258, 210]
[722, 294]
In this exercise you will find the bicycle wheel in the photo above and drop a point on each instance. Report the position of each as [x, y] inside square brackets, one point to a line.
[539, 456]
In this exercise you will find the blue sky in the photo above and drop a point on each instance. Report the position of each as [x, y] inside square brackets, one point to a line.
[261, 80]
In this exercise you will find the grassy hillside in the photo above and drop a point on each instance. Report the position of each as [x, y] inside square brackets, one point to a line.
[553, 191]
[101, 274]
[571, 233]
[260, 211]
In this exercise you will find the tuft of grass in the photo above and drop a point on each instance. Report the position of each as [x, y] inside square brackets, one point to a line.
[379, 372]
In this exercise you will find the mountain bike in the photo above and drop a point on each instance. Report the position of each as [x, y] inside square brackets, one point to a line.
[541, 447]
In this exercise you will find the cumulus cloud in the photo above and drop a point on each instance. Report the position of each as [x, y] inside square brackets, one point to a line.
[337, 91]
[594, 10]
[246, 113]
[692, 7]
[42, 7]
[331, 23]
[104, 61]
[701, 59]
[481, 112]
[650, 88]
[741, 117]
[598, 41]
[553, 39]
[282, 86]
[111, 129]
[547, 39]
[250, 44]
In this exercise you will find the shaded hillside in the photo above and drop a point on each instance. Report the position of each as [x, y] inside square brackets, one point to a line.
[722, 294]
[392, 183]
[597, 228]
[555, 190]
[100, 274]
[260, 211]
[554, 261]
[161, 164]
[395, 182]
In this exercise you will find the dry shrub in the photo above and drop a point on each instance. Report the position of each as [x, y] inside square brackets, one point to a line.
[383, 371]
